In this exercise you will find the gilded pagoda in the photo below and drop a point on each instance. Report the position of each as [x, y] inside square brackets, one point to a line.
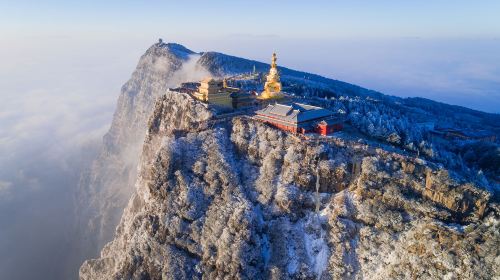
[272, 87]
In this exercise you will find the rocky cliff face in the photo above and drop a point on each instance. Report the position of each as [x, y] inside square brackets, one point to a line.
[239, 199]
[107, 186]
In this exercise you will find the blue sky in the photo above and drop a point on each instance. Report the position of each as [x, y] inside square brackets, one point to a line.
[297, 19]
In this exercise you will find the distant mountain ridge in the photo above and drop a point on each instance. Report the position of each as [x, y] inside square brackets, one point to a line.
[220, 64]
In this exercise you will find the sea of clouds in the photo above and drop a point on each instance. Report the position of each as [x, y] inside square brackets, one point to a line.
[57, 100]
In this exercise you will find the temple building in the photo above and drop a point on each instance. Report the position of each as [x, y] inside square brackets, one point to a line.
[218, 93]
[215, 92]
[243, 99]
[328, 126]
[272, 87]
[299, 118]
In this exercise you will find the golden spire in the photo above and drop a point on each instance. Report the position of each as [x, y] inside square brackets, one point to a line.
[273, 61]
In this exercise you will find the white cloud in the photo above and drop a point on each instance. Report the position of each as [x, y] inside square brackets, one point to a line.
[190, 71]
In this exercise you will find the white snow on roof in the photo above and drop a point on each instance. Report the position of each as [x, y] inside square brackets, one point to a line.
[295, 113]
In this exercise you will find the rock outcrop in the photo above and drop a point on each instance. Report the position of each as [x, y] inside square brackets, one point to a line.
[107, 186]
[238, 200]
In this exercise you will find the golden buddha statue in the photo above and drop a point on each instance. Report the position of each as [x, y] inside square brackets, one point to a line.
[272, 87]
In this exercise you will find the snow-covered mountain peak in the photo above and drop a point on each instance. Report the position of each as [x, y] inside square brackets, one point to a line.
[175, 49]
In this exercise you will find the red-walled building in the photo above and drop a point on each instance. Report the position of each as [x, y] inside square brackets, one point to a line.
[299, 118]
[326, 127]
